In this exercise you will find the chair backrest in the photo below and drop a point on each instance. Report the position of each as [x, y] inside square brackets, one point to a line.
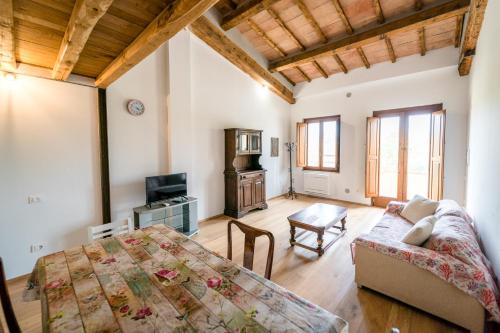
[8, 310]
[110, 229]
[250, 234]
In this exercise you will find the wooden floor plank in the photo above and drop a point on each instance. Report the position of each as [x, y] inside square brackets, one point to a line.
[327, 281]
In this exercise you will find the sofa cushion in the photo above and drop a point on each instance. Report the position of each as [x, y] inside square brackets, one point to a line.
[391, 227]
[420, 231]
[418, 208]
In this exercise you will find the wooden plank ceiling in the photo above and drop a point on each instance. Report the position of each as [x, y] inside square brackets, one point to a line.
[99, 33]
[39, 27]
[302, 39]
[285, 30]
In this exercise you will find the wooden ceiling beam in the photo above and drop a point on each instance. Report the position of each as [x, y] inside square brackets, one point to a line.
[312, 21]
[288, 79]
[363, 57]
[458, 30]
[303, 74]
[216, 39]
[244, 11]
[85, 15]
[227, 5]
[390, 49]
[378, 11]
[421, 37]
[285, 28]
[318, 67]
[340, 63]
[440, 11]
[7, 47]
[46, 73]
[266, 38]
[472, 31]
[278, 49]
[343, 17]
[177, 15]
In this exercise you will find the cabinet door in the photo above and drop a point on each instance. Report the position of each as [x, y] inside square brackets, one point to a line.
[255, 143]
[246, 187]
[259, 191]
[243, 143]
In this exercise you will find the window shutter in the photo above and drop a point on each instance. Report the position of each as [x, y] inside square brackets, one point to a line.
[301, 144]
[436, 165]
[372, 156]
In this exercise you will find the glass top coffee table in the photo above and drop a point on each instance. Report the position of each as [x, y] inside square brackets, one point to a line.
[318, 218]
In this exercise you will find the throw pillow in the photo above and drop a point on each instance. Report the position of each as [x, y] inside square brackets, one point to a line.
[418, 208]
[420, 232]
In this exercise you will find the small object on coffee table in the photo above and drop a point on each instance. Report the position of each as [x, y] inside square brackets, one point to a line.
[318, 218]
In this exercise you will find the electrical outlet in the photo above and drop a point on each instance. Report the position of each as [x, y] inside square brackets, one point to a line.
[36, 248]
[347, 191]
[32, 199]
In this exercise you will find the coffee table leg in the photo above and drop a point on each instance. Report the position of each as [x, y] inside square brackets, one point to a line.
[292, 235]
[343, 224]
[320, 244]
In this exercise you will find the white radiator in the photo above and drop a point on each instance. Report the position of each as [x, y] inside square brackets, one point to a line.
[317, 183]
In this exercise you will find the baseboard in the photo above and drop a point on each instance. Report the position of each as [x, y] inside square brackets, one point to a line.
[222, 214]
[276, 196]
[338, 200]
[211, 218]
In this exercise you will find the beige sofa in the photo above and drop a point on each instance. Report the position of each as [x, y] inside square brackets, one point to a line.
[405, 281]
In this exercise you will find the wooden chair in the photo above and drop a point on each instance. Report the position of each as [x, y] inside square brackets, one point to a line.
[110, 229]
[250, 234]
[8, 310]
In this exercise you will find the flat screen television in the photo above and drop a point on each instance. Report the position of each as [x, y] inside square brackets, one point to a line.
[165, 187]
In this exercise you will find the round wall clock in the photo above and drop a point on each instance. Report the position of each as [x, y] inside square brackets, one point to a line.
[135, 107]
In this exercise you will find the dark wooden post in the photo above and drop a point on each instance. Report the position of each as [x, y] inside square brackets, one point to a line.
[103, 143]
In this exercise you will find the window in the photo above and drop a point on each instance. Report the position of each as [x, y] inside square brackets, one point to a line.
[318, 144]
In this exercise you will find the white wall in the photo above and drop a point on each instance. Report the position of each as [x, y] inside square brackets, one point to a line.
[424, 88]
[191, 94]
[48, 147]
[180, 115]
[137, 145]
[483, 187]
[221, 96]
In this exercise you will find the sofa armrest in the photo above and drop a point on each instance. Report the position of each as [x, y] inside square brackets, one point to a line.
[394, 248]
[395, 207]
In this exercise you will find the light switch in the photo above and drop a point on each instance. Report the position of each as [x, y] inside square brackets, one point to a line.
[32, 199]
[36, 248]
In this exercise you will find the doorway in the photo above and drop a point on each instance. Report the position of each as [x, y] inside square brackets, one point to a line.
[402, 158]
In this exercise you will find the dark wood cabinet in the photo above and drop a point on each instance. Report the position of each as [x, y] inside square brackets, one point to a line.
[244, 177]
[246, 194]
[254, 142]
[248, 142]
[259, 191]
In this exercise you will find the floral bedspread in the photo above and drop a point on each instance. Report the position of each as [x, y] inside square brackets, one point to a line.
[157, 280]
[452, 253]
